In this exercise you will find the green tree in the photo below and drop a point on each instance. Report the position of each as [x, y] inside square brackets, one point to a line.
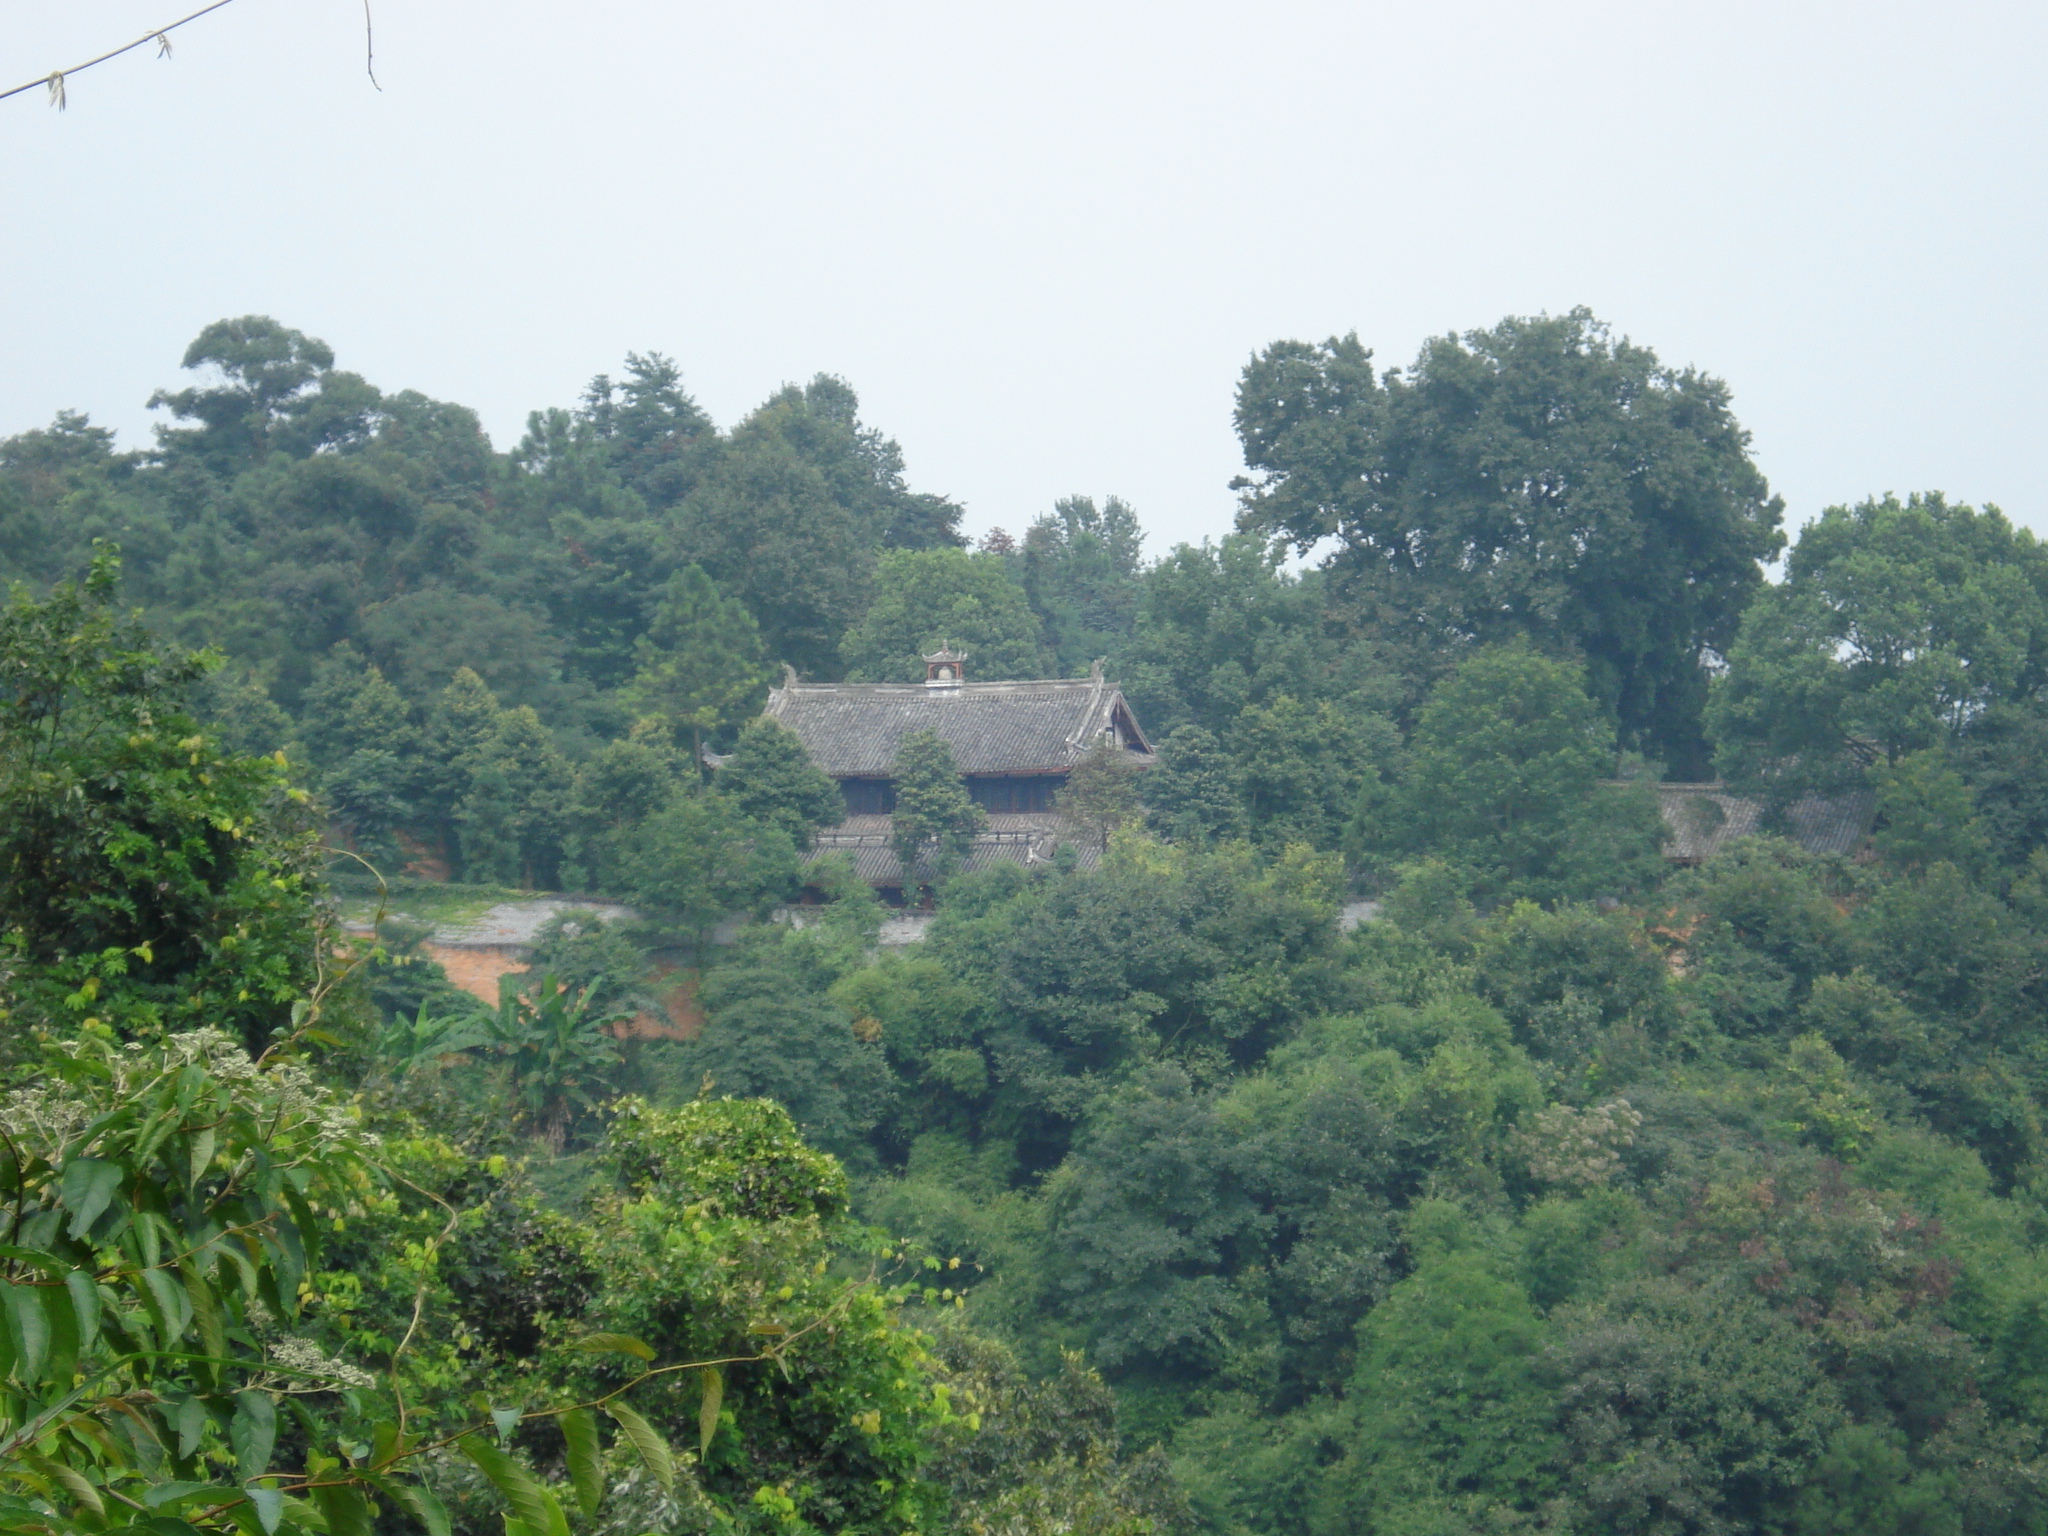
[459, 725]
[278, 389]
[1080, 568]
[1927, 813]
[1455, 1423]
[701, 668]
[699, 860]
[770, 778]
[360, 733]
[1537, 479]
[1691, 1408]
[1898, 625]
[1503, 775]
[1101, 794]
[925, 598]
[60, 486]
[935, 819]
[765, 1037]
[1188, 795]
[513, 819]
[237, 708]
[1765, 923]
[1867, 1483]
[1298, 766]
[166, 1196]
[652, 430]
[1048, 1456]
[861, 468]
[350, 707]
[151, 880]
[420, 638]
[790, 518]
[617, 789]
[2005, 761]
[1572, 981]
[1146, 1253]
[123, 1157]
[1220, 626]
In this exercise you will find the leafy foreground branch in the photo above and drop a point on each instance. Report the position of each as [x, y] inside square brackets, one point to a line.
[168, 1370]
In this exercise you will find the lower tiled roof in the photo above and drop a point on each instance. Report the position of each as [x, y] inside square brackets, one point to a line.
[1010, 839]
[1702, 819]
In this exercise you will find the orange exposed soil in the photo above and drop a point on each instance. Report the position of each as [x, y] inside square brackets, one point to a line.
[676, 989]
[476, 968]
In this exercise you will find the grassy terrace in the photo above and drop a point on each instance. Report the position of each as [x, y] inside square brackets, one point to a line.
[437, 903]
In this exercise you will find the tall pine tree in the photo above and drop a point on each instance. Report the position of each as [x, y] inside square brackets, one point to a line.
[702, 667]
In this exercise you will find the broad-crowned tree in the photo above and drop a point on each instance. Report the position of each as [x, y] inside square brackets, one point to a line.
[2005, 761]
[926, 598]
[764, 1038]
[1454, 1418]
[1298, 765]
[699, 860]
[617, 788]
[1220, 626]
[1897, 627]
[60, 486]
[1503, 775]
[278, 391]
[1540, 479]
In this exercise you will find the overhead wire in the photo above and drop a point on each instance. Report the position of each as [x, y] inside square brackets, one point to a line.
[54, 81]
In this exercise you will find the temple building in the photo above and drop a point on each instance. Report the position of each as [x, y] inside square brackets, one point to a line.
[1015, 744]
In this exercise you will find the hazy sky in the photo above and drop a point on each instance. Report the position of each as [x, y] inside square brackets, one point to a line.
[1041, 239]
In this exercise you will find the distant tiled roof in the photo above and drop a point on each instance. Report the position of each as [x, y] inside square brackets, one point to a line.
[853, 729]
[1010, 839]
[1701, 819]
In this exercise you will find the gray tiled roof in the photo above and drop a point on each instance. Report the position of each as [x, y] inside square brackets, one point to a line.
[1701, 819]
[852, 729]
[1010, 839]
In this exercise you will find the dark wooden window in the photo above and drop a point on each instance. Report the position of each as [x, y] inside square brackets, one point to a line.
[868, 797]
[1031, 792]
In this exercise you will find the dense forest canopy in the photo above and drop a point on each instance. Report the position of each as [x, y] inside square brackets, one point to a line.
[1568, 1191]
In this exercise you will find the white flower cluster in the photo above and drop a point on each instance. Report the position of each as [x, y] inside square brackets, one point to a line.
[46, 1116]
[1579, 1148]
[306, 1369]
[43, 1117]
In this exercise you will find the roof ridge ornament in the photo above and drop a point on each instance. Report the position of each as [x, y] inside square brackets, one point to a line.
[945, 667]
[1097, 684]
